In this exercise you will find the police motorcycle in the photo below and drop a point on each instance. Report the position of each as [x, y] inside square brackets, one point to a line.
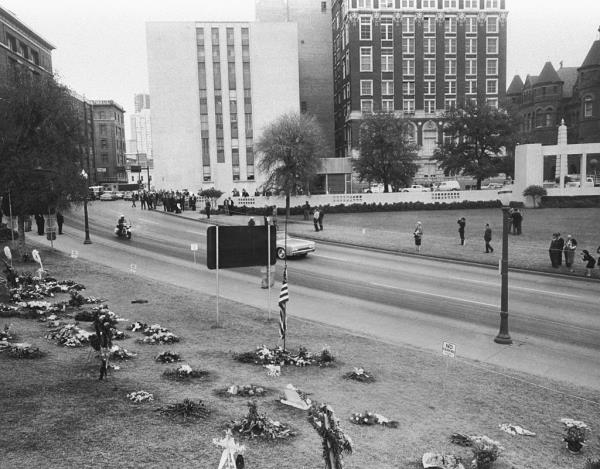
[123, 229]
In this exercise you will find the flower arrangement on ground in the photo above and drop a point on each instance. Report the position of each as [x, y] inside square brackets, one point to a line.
[334, 441]
[26, 351]
[441, 461]
[6, 334]
[184, 373]
[264, 355]
[155, 334]
[140, 396]
[243, 390]
[256, 425]
[575, 434]
[187, 409]
[372, 418]
[120, 353]
[168, 357]
[70, 335]
[359, 374]
[485, 451]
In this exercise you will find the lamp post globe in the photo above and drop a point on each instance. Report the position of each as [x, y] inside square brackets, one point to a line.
[85, 210]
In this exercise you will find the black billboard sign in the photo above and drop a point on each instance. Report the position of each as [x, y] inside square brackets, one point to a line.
[240, 246]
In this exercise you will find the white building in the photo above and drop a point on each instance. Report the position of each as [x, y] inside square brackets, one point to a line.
[141, 132]
[214, 87]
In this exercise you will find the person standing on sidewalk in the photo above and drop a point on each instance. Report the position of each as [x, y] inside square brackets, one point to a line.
[590, 262]
[462, 222]
[207, 208]
[569, 252]
[321, 215]
[60, 221]
[517, 221]
[487, 237]
[316, 218]
[306, 210]
[418, 235]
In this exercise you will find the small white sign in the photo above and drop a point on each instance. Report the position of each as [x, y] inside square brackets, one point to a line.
[74, 253]
[194, 246]
[132, 268]
[449, 350]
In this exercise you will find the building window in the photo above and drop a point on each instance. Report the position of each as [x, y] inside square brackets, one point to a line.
[104, 158]
[549, 117]
[471, 87]
[429, 86]
[450, 4]
[368, 4]
[492, 24]
[366, 106]
[450, 87]
[449, 103]
[471, 67]
[471, 4]
[230, 37]
[471, 25]
[429, 105]
[231, 75]
[408, 67]
[102, 129]
[323, 7]
[366, 87]
[429, 25]
[491, 3]
[450, 25]
[408, 45]
[491, 86]
[248, 124]
[429, 66]
[588, 106]
[429, 4]
[430, 136]
[220, 151]
[387, 87]
[366, 59]
[35, 57]
[408, 24]
[103, 143]
[245, 37]
[429, 45]
[492, 102]
[387, 63]
[214, 34]
[450, 67]
[407, 4]
[387, 29]
[471, 45]
[492, 45]
[408, 105]
[365, 28]
[387, 105]
[450, 45]
[491, 67]
[408, 88]
[386, 4]
[12, 42]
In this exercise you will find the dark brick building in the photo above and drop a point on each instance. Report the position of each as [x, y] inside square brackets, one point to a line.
[569, 93]
[416, 58]
[109, 143]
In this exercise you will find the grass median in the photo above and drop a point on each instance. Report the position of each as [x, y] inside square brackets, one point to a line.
[57, 414]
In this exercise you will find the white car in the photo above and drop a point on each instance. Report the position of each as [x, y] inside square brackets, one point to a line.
[109, 195]
[415, 188]
[295, 247]
[447, 186]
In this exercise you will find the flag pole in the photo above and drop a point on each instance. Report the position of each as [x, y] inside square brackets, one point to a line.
[217, 255]
[269, 266]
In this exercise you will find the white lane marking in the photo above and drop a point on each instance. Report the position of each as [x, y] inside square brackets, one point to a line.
[202, 233]
[434, 294]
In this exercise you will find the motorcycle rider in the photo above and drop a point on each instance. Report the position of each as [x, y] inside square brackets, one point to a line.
[121, 225]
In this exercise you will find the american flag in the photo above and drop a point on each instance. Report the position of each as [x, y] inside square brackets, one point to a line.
[283, 299]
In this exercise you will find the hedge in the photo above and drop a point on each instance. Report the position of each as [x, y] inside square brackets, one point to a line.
[579, 201]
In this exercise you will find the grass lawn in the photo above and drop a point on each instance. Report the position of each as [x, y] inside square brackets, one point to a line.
[55, 412]
[394, 230]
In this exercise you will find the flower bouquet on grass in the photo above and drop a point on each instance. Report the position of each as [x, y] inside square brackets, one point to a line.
[118, 353]
[168, 357]
[187, 409]
[264, 355]
[26, 351]
[6, 334]
[485, 451]
[371, 418]
[575, 434]
[70, 335]
[441, 461]
[256, 425]
[184, 373]
[140, 396]
[155, 334]
[359, 374]
[242, 390]
[8, 311]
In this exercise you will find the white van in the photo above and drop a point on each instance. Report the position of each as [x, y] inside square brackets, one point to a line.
[447, 186]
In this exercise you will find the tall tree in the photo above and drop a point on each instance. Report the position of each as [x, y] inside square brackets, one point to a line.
[479, 138]
[291, 148]
[387, 151]
[41, 145]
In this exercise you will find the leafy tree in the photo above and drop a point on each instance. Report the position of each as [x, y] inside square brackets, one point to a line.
[534, 191]
[41, 147]
[387, 153]
[290, 150]
[480, 136]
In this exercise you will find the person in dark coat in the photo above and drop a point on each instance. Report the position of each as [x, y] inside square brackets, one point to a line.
[517, 218]
[589, 260]
[556, 248]
[560, 245]
[207, 208]
[321, 215]
[569, 252]
[39, 221]
[59, 221]
[462, 223]
[487, 237]
[306, 210]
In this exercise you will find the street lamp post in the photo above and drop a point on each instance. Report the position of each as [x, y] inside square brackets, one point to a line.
[503, 336]
[85, 211]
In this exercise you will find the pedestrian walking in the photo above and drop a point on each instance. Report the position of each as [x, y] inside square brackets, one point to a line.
[133, 199]
[418, 235]
[569, 252]
[143, 200]
[207, 208]
[39, 221]
[59, 221]
[462, 223]
[321, 215]
[316, 218]
[589, 260]
[511, 219]
[517, 221]
[487, 237]
[306, 210]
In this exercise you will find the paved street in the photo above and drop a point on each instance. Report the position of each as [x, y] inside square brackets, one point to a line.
[398, 299]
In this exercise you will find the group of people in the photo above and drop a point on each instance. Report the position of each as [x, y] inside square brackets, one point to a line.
[560, 248]
[40, 222]
[148, 200]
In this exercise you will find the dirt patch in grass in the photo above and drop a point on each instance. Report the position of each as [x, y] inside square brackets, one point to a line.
[57, 414]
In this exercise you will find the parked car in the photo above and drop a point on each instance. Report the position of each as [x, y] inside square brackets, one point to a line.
[119, 195]
[589, 182]
[415, 188]
[447, 186]
[294, 247]
[108, 195]
[128, 195]
[492, 185]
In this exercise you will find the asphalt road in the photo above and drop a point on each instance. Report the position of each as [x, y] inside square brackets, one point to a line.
[399, 299]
